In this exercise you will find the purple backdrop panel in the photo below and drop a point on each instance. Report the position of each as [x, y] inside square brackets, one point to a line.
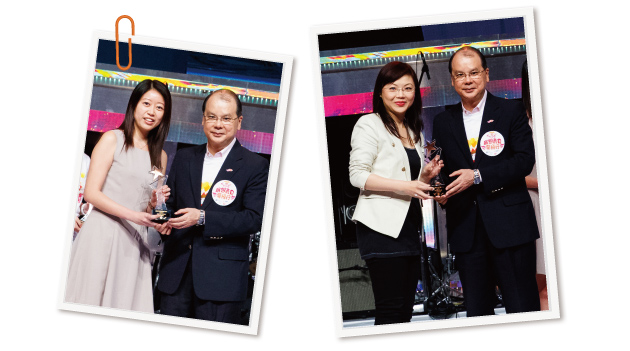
[352, 104]
[101, 121]
[506, 88]
[255, 141]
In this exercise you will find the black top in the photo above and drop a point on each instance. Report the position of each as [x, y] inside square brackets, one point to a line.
[373, 244]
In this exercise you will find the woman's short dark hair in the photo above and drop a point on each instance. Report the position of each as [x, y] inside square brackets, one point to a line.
[157, 136]
[525, 89]
[390, 73]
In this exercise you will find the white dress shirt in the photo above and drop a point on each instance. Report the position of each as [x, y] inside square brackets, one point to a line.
[472, 123]
[211, 167]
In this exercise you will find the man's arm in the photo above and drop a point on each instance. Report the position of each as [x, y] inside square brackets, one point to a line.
[519, 165]
[496, 177]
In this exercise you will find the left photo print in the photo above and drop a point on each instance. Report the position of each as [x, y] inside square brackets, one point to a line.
[176, 184]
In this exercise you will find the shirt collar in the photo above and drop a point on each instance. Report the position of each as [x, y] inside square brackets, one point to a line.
[222, 153]
[479, 106]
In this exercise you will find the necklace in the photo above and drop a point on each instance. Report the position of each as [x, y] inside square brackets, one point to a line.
[142, 147]
[406, 136]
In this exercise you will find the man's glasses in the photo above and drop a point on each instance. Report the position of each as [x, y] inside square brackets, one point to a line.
[214, 119]
[473, 75]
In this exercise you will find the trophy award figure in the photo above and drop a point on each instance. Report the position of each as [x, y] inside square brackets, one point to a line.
[437, 183]
[158, 182]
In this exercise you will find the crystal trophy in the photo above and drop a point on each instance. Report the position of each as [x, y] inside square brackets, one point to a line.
[437, 183]
[158, 182]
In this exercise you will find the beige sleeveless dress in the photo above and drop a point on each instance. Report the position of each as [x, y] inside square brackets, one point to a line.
[110, 259]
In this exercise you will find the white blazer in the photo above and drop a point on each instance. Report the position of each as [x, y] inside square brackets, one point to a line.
[376, 151]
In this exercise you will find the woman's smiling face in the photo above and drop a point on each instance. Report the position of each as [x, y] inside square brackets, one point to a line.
[149, 111]
[398, 96]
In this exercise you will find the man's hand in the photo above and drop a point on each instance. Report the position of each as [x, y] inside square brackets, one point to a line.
[164, 228]
[188, 218]
[465, 178]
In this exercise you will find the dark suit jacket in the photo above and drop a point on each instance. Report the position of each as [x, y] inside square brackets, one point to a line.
[502, 197]
[219, 266]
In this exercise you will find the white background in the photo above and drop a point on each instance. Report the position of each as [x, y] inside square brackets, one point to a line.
[45, 65]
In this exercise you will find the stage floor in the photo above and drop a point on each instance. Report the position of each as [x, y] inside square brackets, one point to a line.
[352, 323]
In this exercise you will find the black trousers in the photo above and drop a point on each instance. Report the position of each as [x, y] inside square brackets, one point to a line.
[394, 283]
[484, 267]
[185, 303]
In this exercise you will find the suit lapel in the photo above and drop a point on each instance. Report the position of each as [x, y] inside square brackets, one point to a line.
[196, 171]
[459, 132]
[489, 111]
[230, 166]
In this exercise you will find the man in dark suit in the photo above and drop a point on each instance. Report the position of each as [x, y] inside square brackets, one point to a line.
[218, 195]
[490, 218]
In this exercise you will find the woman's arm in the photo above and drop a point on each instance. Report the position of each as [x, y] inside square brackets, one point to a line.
[364, 143]
[102, 159]
[413, 188]
[363, 153]
[532, 183]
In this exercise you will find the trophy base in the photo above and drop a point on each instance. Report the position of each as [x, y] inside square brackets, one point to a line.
[165, 215]
[438, 190]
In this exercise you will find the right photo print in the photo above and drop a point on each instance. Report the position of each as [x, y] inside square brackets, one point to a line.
[440, 211]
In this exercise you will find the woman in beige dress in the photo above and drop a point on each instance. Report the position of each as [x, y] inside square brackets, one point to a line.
[110, 260]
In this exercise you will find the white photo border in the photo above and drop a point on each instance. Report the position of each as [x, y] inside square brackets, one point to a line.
[287, 65]
[527, 14]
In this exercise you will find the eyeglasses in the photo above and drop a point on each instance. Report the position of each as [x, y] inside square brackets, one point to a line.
[473, 75]
[406, 90]
[214, 119]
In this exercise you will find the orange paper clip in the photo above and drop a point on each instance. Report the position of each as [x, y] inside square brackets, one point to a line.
[133, 32]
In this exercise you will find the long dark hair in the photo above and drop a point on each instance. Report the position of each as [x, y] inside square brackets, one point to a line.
[525, 89]
[157, 136]
[390, 73]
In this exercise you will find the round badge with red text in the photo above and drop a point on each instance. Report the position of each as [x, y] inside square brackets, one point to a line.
[492, 143]
[224, 192]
